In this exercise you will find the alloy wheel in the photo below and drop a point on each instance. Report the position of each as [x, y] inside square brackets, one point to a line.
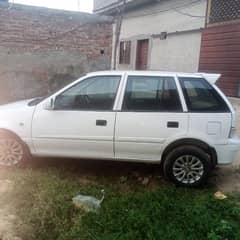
[11, 152]
[188, 169]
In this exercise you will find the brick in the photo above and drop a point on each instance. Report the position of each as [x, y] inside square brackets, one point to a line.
[41, 43]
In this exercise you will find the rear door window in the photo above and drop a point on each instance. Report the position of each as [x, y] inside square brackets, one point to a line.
[201, 96]
[150, 93]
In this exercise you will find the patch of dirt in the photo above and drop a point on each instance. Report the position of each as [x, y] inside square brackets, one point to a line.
[127, 176]
[87, 180]
[227, 179]
[8, 220]
[5, 186]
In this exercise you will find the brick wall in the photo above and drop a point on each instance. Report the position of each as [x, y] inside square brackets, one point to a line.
[43, 49]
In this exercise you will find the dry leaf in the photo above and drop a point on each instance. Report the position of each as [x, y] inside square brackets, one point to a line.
[220, 196]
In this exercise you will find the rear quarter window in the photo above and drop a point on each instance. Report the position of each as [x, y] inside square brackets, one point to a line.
[201, 96]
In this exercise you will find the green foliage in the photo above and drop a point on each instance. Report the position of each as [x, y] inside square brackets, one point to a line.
[44, 202]
[222, 232]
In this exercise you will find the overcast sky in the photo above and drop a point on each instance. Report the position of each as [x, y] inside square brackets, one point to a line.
[74, 5]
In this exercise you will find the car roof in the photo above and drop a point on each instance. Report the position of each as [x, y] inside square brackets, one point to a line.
[211, 77]
[116, 72]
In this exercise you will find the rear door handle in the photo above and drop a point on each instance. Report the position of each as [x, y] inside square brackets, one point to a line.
[101, 123]
[173, 124]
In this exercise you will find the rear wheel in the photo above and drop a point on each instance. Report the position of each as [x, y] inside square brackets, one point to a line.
[187, 166]
[12, 151]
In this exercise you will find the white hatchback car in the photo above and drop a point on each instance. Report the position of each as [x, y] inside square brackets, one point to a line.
[182, 121]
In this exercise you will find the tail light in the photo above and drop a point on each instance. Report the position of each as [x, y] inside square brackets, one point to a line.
[233, 132]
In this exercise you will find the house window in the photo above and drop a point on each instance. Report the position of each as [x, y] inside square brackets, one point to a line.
[222, 10]
[125, 51]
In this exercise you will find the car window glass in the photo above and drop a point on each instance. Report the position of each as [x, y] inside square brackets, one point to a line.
[94, 93]
[201, 96]
[146, 93]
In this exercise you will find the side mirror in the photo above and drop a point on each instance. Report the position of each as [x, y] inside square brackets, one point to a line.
[49, 104]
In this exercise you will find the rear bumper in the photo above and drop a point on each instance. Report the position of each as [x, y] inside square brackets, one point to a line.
[227, 153]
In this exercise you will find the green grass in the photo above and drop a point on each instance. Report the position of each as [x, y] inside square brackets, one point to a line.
[43, 199]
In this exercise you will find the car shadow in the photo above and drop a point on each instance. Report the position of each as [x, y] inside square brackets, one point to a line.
[99, 168]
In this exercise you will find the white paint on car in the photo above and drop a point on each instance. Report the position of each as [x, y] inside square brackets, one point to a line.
[126, 135]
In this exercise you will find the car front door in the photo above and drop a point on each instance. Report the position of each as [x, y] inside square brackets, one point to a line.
[151, 114]
[82, 121]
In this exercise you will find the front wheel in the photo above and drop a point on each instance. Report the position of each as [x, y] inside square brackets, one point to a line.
[12, 151]
[187, 166]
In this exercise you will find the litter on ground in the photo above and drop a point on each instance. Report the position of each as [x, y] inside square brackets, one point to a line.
[220, 196]
[88, 203]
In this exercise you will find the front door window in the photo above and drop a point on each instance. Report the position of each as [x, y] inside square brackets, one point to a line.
[94, 93]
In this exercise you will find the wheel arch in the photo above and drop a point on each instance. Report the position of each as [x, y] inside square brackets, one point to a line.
[7, 132]
[193, 142]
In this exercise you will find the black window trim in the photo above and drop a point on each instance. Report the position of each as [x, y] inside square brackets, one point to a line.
[92, 110]
[187, 101]
[151, 111]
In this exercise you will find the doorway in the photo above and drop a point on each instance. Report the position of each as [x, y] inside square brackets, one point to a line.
[142, 54]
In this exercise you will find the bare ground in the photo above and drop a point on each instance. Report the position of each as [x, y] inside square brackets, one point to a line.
[7, 217]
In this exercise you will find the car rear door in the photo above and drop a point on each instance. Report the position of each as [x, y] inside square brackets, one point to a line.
[151, 113]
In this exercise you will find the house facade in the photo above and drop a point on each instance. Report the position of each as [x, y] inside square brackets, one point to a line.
[157, 35]
[179, 35]
[220, 46]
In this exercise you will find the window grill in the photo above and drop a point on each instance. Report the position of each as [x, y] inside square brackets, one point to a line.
[125, 52]
[224, 10]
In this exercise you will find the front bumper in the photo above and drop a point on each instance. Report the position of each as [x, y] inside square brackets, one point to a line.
[227, 153]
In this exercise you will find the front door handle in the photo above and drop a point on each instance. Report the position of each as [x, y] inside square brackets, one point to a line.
[101, 122]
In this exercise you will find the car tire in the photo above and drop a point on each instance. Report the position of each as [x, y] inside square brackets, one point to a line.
[13, 151]
[187, 166]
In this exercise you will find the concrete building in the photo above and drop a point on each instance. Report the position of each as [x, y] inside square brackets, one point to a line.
[157, 34]
[43, 49]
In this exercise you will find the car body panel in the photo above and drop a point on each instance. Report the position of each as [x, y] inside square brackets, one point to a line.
[142, 135]
[17, 118]
[79, 138]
